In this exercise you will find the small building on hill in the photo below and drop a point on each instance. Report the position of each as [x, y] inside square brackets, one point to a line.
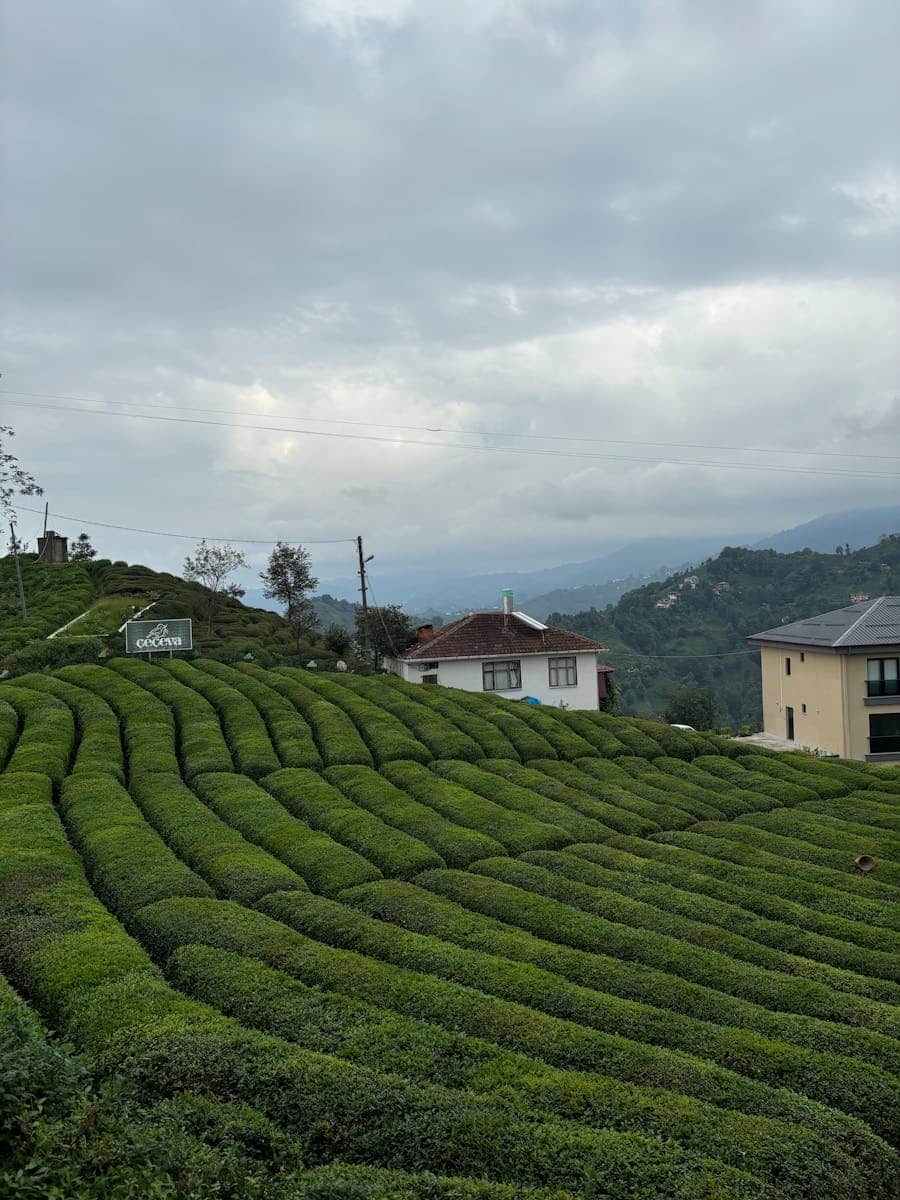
[509, 653]
[832, 682]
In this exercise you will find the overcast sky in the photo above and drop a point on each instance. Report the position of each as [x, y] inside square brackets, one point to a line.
[636, 221]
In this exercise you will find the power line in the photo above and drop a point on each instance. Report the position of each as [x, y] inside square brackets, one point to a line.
[191, 537]
[542, 437]
[541, 452]
[638, 654]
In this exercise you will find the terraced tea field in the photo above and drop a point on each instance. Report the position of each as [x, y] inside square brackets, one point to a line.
[278, 933]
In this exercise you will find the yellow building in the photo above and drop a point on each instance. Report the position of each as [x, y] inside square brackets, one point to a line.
[832, 683]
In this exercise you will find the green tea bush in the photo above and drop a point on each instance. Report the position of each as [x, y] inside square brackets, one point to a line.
[99, 749]
[545, 904]
[307, 796]
[829, 780]
[442, 738]
[506, 716]
[780, 790]
[635, 739]
[515, 832]
[291, 735]
[687, 903]
[727, 795]
[9, 729]
[613, 818]
[849, 837]
[57, 593]
[324, 864]
[200, 741]
[148, 727]
[236, 868]
[129, 865]
[273, 1002]
[608, 782]
[846, 771]
[843, 1083]
[871, 808]
[742, 887]
[48, 654]
[603, 740]
[456, 845]
[694, 800]
[498, 784]
[385, 735]
[336, 737]
[567, 743]
[173, 923]
[677, 743]
[245, 731]
[492, 740]
[46, 742]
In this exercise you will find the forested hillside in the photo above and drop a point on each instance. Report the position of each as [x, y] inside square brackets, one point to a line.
[278, 935]
[708, 624]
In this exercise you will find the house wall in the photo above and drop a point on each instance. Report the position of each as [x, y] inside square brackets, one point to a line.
[466, 674]
[833, 688]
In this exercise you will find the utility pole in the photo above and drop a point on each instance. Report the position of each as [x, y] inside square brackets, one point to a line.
[362, 591]
[15, 550]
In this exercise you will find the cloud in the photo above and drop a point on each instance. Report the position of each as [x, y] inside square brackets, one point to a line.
[630, 224]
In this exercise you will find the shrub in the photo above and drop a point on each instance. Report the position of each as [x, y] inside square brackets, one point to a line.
[726, 794]
[324, 864]
[45, 654]
[148, 727]
[849, 837]
[613, 818]
[173, 923]
[202, 747]
[677, 743]
[601, 739]
[545, 904]
[780, 790]
[236, 868]
[567, 743]
[608, 783]
[514, 832]
[245, 730]
[489, 737]
[274, 1003]
[307, 796]
[57, 593]
[442, 738]
[697, 801]
[336, 736]
[870, 808]
[129, 865]
[47, 738]
[9, 729]
[506, 717]
[829, 780]
[850, 1087]
[626, 731]
[99, 749]
[456, 845]
[290, 734]
[499, 785]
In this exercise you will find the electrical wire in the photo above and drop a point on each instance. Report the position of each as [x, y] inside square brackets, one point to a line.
[542, 437]
[541, 452]
[378, 609]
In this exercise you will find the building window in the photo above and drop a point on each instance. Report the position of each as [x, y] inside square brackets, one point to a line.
[802, 656]
[563, 672]
[884, 733]
[432, 679]
[883, 677]
[803, 708]
[787, 666]
[505, 676]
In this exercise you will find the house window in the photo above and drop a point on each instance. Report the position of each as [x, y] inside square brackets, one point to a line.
[883, 677]
[884, 733]
[787, 666]
[432, 679]
[563, 672]
[503, 676]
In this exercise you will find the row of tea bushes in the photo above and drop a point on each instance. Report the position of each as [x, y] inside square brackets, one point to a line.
[46, 740]
[564, 739]
[848, 836]
[337, 738]
[507, 718]
[728, 794]
[702, 804]
[99, 749]
[601, 739]
[291, 735]
[880, 812]
[733, 772]
[308, 796]
[324, 864]
[493, 742]
[57, 593]
[9, 730]
[601, 778]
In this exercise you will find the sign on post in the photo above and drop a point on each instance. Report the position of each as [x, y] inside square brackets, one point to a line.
[156, 637]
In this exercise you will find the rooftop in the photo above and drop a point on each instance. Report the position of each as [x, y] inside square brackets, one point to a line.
[494, 634]
[868, 623]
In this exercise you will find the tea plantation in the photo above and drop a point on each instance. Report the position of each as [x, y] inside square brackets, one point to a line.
[274, 934]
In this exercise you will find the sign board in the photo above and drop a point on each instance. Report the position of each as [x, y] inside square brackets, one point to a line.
[157, 637]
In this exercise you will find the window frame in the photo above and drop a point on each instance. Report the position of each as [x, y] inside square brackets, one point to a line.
[888, 742]
[880, 686]
[494, 666]
[553, 662]
[787, 664]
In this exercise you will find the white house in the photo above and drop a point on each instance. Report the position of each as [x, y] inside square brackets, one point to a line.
[509, 653]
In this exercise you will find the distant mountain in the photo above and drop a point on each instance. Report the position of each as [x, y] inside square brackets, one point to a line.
[700, 637]
[857, 527]
[573, 600]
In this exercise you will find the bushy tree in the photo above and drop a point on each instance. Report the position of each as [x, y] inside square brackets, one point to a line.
[388, 631]
[288, 578]
[211, 566]
[13, 479]
[692, 705]
[338, 639]
[81, 549]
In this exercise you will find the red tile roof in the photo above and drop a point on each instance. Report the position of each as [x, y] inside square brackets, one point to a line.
[491, 634]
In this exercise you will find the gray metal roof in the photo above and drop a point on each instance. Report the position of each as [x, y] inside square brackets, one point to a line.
[869, 623]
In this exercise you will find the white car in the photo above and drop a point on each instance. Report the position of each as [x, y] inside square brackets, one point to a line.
[686, 728]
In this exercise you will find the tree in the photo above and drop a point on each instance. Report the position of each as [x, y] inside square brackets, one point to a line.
[13, 479]
[211, 566]
[81, 549]
[338, 639]
[389, 631]
[692, 705]
[289, 579]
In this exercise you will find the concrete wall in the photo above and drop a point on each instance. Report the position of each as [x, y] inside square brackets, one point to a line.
[466, 673]
[833, 688]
